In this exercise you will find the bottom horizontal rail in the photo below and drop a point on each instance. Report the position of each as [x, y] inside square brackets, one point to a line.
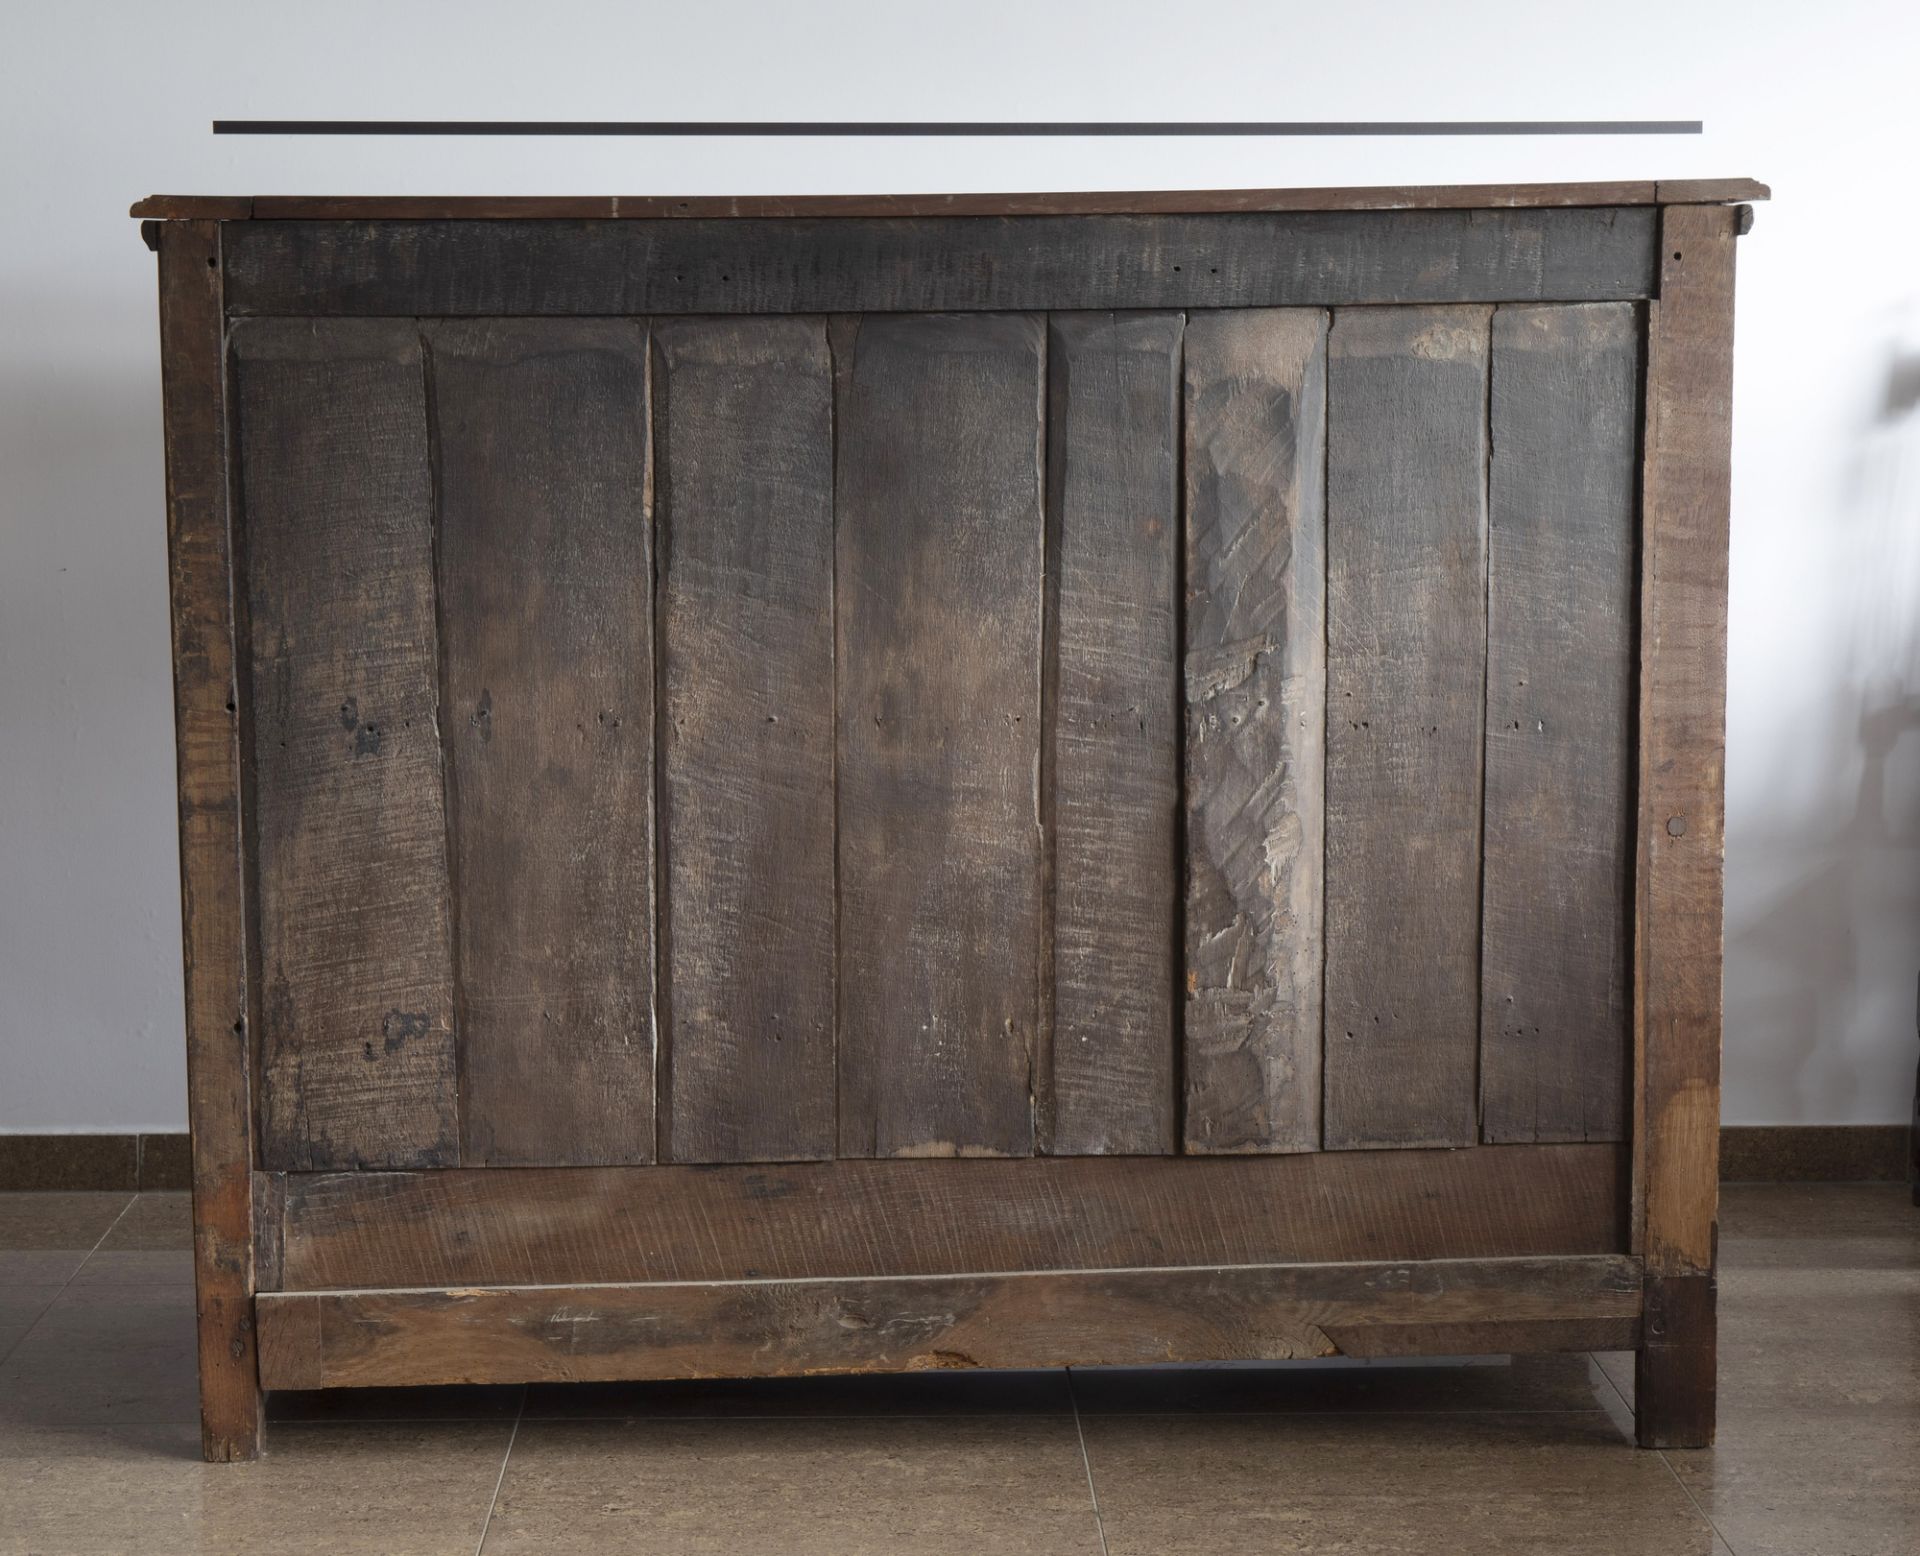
[771, 1328]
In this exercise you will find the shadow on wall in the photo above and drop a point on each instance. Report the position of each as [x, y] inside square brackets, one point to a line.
[1823, 973]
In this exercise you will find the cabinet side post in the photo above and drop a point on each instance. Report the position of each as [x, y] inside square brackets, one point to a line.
[206, 725]
[1681, 818]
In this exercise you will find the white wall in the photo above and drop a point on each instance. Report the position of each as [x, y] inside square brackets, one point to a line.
[103, 102]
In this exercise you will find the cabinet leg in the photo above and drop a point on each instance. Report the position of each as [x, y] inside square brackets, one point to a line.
[1674, 1372]
[231, 1404]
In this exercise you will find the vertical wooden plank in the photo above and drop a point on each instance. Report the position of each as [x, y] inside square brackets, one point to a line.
[1406, 673]
[356, 1041]
[1555, 1011]
[743, 492]
[546, 581]
[1678, 889]
[1111, 783]
[1255, 727]
[213, 933]
[939, 489]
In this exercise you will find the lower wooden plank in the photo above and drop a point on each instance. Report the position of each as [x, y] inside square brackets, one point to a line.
[1493, 1338]
[876, 1218]
[781, 1328]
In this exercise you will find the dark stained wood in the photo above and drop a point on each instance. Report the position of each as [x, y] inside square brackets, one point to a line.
[743, 496]
[1682, 822]
[1524, 1337]
[1254, 750]
[207, 744]
[1675, 1373]
[824, 264]
[940, 487]
[781, 1328]
[356, 1040]
[1406, 668]
[1088, 203]
[1555, 1005]
[858, 1218]
[1112, 780]
[545, 574]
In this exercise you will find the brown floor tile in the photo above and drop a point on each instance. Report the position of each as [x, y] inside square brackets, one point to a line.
[39, 1266]
[20, 1304]
[158, 1267]
[877, 1394]
[55, 1221]
[369, 1490]
[104, 1355]
[852, 1487]
[1386, 1486]
[153, 1221]
[1560, 1383]
[1794, 1213]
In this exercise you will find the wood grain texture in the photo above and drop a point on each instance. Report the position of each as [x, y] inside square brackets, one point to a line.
[1675, 1374]
[783, 1328]
[743, 426]
[1555, 1002]
[939, 494]
[545, 575]
[827, 265]
[356, 1040]
[212, 844]
[1111, 777]
[859, 1218]
[1406, 670]
[1079, 203]
[1254, 750]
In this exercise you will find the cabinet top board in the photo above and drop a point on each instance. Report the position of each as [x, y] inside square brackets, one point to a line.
[1685, 191]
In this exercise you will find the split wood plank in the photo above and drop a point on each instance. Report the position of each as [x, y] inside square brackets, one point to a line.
[743, 425]
[206, 639]
[356, 1039]
[783, 1328]
[1112, 781]
[545, 571]
[1555, 1007]
[939, 496]
[482, 1227]
[1255, 674]
[1406, 672]
[828, 265]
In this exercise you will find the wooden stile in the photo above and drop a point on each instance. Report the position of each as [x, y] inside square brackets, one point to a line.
[356, 1003]
[1255, 681]
[1111, 778]
[1406, 683]
[939, 491]
[743, 419]
[545, 574]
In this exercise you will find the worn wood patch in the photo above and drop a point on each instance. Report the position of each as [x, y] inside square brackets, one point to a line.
[781, 1328]
[545, 569]
[356, 1039]
[921, 264]
[1406, 673]
[1112, 780]
[1255, 675]
[1555, 1016]
[853, 1218]
[743, 423]
[939, 600]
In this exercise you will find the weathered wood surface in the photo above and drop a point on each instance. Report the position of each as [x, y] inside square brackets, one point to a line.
[743, 497]
[854, 1218]
[356, 1023]
[939, 496]
[780, 1328]
[1254, 751]
[825, 265]
[1491, 1338]
[212, 845]
[1406, 671]
[1111, 778]
[1089, 203]
[1675, 1374]
[545, 575]
[1563, 487]
[1681, 831]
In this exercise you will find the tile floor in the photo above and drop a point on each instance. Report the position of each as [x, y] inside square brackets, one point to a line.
[1819, 1452]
